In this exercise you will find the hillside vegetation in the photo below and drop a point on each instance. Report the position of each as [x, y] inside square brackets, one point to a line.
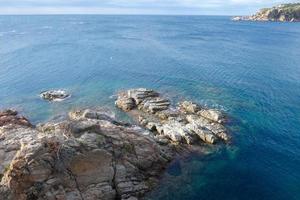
[283, 12]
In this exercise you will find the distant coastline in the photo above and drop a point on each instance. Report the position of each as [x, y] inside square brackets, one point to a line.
[280, 13]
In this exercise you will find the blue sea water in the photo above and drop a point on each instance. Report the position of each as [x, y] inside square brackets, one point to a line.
[251, 70]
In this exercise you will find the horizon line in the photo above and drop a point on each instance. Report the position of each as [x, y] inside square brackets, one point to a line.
[126, 14]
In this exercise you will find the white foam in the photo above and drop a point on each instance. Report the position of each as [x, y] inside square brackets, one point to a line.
[114, 96]
[11, 32]
[77, 23]
[47, 27]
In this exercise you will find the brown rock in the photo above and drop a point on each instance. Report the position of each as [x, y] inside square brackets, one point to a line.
[189, 107]
[125, 103]
[10, 117]
[100, 160]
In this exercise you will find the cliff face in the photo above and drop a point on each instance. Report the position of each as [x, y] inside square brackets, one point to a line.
[282, 13]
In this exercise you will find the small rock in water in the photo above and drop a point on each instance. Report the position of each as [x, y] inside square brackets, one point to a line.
[54, 95]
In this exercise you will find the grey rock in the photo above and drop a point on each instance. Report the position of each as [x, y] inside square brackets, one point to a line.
[91, 114]
[184, 124]
[141, 94]
[152, 105]
[189, 107]
[167, 114]
[54, 95]
[212, 114]
[161, 139]
[178, 132]
[204, 134]
[125, 103]
[217, 129]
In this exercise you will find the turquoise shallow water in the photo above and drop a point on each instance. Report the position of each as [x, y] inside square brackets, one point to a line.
[250, 70]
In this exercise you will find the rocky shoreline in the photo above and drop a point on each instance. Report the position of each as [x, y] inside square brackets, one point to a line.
[280, 13]
[91, 155]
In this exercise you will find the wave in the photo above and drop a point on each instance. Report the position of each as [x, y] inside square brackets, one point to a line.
[78, 23]
[213, 104]
[47, 27]
[11, 32]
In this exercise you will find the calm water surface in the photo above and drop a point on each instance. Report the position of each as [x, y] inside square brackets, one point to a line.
[250, 70]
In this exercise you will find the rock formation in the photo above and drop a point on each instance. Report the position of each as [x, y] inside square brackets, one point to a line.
[54, 95]
[185, 124]
[11, 117]
[282, 13]
[92, 156]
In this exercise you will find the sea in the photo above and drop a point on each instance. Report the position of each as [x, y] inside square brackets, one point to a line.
[249, 70]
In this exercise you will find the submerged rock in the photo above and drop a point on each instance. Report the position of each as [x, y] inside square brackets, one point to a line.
[184, 124]
[54, 95]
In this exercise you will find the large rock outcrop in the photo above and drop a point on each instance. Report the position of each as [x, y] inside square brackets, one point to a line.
[89, 156]
[185, 124]
[282, 13]
[92, 156]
